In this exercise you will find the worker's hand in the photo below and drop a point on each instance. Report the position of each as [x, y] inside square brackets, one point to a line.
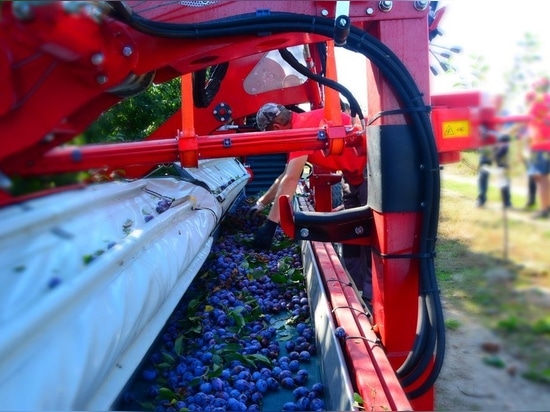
[254, 210]
[264, 235]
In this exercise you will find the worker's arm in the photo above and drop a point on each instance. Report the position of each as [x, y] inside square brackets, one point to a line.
[270, 194]
[287, 185]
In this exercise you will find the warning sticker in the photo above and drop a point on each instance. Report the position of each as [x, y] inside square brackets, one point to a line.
[456, 129]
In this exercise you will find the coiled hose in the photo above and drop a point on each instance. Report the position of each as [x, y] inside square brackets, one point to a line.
[429, 347]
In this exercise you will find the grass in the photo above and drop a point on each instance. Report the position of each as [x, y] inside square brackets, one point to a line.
[494, 265]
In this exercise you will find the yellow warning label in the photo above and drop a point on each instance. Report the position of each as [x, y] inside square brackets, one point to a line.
[456, 129]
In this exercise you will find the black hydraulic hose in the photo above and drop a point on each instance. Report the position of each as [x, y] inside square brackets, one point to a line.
[296, 65]
[419, 343]
[403, 85]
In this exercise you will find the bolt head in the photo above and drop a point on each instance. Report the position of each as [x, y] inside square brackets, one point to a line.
[97, 59]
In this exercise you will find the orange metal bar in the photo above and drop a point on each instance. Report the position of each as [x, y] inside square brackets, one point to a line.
[187, 140]
[153, 152]
[332, 98]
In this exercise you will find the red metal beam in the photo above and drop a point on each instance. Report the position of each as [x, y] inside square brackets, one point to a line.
[369, 367]
[120, 155]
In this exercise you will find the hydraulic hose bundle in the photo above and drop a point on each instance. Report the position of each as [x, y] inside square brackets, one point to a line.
[428, 349]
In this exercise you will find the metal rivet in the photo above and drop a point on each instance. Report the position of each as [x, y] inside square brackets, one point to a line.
[304, 232]
[97, 59]
[127, 51]
[102, 79]
[359, 230]
[369, 11]
[421, 5]
[22, 10]
[324, 12]
[48, 138]
[385, 5]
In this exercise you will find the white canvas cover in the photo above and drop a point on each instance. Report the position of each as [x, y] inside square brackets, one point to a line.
[89, 277]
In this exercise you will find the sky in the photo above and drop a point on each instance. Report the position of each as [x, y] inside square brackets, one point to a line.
[488, 28]
[492, 29]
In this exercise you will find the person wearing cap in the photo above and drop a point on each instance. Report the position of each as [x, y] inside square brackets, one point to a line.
[273, 116]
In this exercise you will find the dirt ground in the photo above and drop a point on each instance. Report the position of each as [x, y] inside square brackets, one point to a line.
[468, 383]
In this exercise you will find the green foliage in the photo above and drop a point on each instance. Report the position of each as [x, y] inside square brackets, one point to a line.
[526, 69]
[136, 117]
[452, 324]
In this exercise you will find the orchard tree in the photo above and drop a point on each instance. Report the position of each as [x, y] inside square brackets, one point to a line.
[136, 117]
[528, 66]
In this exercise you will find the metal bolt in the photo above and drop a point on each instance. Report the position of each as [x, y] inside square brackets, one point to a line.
[5, 182]
[97, 59]
[385, 5]
[22, 10]
[71, 6]
[421, 5]
[48, 138]
[102, 79]
[324, 12]
[127, 51]
[369, 11]
[304, 232]
[359, 230]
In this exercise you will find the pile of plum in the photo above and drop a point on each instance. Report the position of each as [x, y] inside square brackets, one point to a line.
[241, 337]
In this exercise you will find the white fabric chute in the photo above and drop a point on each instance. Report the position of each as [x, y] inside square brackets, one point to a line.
[89, 277]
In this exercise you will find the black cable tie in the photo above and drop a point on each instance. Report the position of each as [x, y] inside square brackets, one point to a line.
[375, 342]
[404, 255]
[152, 192]
[399, 111]
[349, 307]
[338, 280]
[420, 97]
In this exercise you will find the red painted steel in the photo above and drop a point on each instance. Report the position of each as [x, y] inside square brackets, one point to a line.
[370, 369]
[61, 68]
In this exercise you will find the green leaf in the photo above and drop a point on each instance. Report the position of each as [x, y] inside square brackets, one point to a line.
[256, 357]
[495, 361]
[168, 358]
[231, 347]
[277, 278]
[195, 381]
[178, 344]
[216, 371]
[298, 277]
[165, 393]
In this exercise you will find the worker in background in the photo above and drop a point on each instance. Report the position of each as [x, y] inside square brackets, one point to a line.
[272, 116]
[525, 156]
[538, 130]
[497, 154]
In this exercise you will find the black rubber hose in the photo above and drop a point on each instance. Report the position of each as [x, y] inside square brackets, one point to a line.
[419, 344]
[410, 97]
[300, 68]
